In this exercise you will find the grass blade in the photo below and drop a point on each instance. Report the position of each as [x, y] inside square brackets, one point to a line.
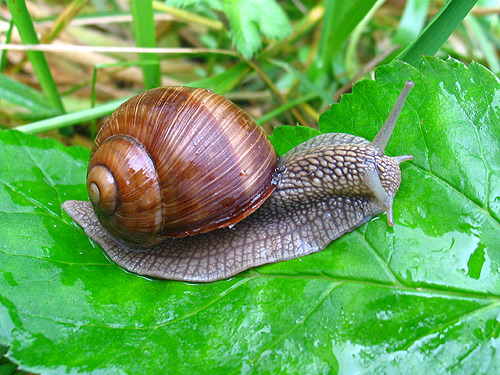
[335, 9]
[343, 28]
[481, 37]
[279, 110]
[437, 31]
[304, 80]
[184, 15]
[3, 56]
[412, 21]
[70, 118]
[18, 93]
[145, 36]
[340, 19]
[224, 82]
[24, 25]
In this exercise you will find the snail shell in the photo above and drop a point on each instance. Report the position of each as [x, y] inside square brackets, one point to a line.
[325, 187]
[176, 161]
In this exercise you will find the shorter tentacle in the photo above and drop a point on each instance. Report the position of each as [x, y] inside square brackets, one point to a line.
[402, 158]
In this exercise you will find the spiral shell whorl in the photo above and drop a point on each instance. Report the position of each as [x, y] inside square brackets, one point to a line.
[129, 203]
[102, 189]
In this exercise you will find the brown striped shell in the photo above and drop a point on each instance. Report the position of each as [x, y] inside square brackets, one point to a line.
[176, 161]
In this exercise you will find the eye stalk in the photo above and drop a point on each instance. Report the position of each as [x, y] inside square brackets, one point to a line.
[382, 138]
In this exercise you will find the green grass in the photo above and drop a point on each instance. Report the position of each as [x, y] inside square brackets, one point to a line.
[24, 25]
[438, 30]
[299, 71]
[144, 31]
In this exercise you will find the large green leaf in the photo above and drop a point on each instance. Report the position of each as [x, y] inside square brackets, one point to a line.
[420, 298]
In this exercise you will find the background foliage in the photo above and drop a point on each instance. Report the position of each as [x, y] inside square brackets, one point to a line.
[423, 297]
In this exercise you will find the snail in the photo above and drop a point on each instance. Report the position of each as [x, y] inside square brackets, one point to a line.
[184, 185]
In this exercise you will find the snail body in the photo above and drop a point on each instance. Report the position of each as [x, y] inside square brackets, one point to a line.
[279, 208]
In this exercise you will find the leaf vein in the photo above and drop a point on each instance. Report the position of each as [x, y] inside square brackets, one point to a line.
[298, 323]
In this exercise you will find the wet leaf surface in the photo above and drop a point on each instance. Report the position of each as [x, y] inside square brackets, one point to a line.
[422, 297]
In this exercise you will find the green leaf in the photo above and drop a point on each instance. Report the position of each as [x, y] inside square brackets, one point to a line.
[450, 126]
[249, 19]
[286, 137]
[421, 298]
[6, 366]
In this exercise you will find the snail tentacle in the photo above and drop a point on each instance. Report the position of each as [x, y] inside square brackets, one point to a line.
[382, 138]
